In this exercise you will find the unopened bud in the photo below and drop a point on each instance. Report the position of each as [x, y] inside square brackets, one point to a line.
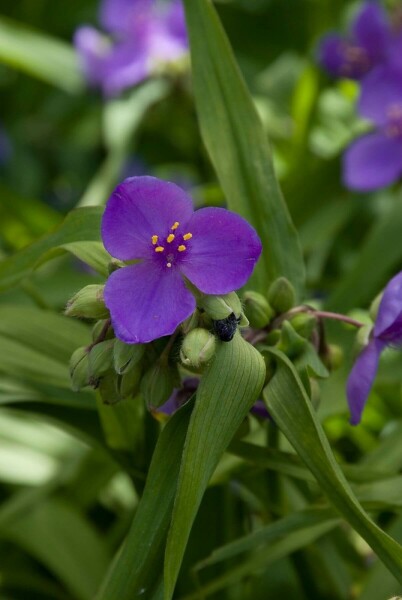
[257, 309]
[130, 382]
[158, 383]
[273, 337]
[100, 360]
[291, 343]
[220, 307]
[363, 337]
[281, 295]
[198, 348]
[375, 305]
[108, 388]
[333, 357]
[88, 303]
[304, 324]
[126, 356]
[79, 369]
[98, 329]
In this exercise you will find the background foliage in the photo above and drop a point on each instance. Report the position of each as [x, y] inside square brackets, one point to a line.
[71, 483]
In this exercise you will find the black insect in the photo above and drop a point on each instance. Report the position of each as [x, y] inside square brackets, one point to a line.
[226, 328]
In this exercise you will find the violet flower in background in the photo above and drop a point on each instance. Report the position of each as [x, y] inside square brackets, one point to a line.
[153, 221]
[369, 43]
[375, 160]
[387, 332]
[142, 36]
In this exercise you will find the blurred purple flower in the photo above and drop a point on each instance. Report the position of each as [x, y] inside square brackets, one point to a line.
[387, 332]
[375, 160]
[142, 35]
[153, 220]
[369, 43]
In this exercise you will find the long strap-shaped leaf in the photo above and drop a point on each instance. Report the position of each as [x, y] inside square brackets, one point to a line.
[137, 569]
[226, 394]
[238, 147]
[289, 405]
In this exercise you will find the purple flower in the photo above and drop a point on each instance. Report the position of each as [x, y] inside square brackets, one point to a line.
[153, 221]
[143, 34]
[387, 332]
[375, 160]
[368, 44]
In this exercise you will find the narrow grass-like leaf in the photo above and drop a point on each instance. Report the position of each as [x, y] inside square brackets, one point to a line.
[40, 55]
[81, 225]
[238, 147]
[137, 568]
[226, 393]
[289, 405]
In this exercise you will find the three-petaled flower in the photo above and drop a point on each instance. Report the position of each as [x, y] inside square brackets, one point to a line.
[375, 160]
[143, 34]
[153, 221]
[387, 331]
[370, 42]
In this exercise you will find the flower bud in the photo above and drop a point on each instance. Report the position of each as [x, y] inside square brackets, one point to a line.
[333, 357]
[129, 383]
[304, 324]
[108, 388]
[158, 383]
[291, 343]
[258, 309]
[362, 338]
[98, 329]
[126, 356]
[198, 348]
[281, 295]
[79, 369]
[100, 360]
[220, 307]
[88, 303]
[273, 337]
[375, 305]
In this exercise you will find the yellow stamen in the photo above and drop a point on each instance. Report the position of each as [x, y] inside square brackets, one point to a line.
[154, 239]
[175, 225]
[181, 248]
[169, 264]
[170, 238]
[187, 236]
[159, 249]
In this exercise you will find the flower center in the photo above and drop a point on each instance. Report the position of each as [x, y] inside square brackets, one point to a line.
[393, 128]
[356, 60]
[170, 250]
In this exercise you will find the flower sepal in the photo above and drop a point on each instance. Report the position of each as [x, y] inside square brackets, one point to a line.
[258, 309]
[158, 383]
[281, 295]
[79, 368]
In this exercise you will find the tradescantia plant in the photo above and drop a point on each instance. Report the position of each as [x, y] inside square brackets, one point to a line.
[200, 367]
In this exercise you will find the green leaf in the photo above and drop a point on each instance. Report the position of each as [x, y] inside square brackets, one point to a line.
[379, 255]
[62, 540]
[81, 225]
[40, 55]
[136, 570]
[291, 409]
[237, 144]
[226, 393]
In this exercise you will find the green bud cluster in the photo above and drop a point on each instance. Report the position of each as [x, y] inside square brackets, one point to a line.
[88, 303]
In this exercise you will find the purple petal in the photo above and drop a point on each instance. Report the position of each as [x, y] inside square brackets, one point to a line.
[260, 410]
[124, 16]
[145, 303]
[371, 162]
[361, 379]
[371, 30]
[139, 208]
[331, 54]
[176, 22]
[93, 51]
[180, 396]
[162, 46]
[127, 65]
[390, 310]
[380, 89]
[224, 249]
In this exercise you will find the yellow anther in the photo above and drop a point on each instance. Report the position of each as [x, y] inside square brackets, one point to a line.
[170, 238]
[154, 239]
[181, 248]
[169, 265]
[187, 236]
[159, 249]
[175, 225]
